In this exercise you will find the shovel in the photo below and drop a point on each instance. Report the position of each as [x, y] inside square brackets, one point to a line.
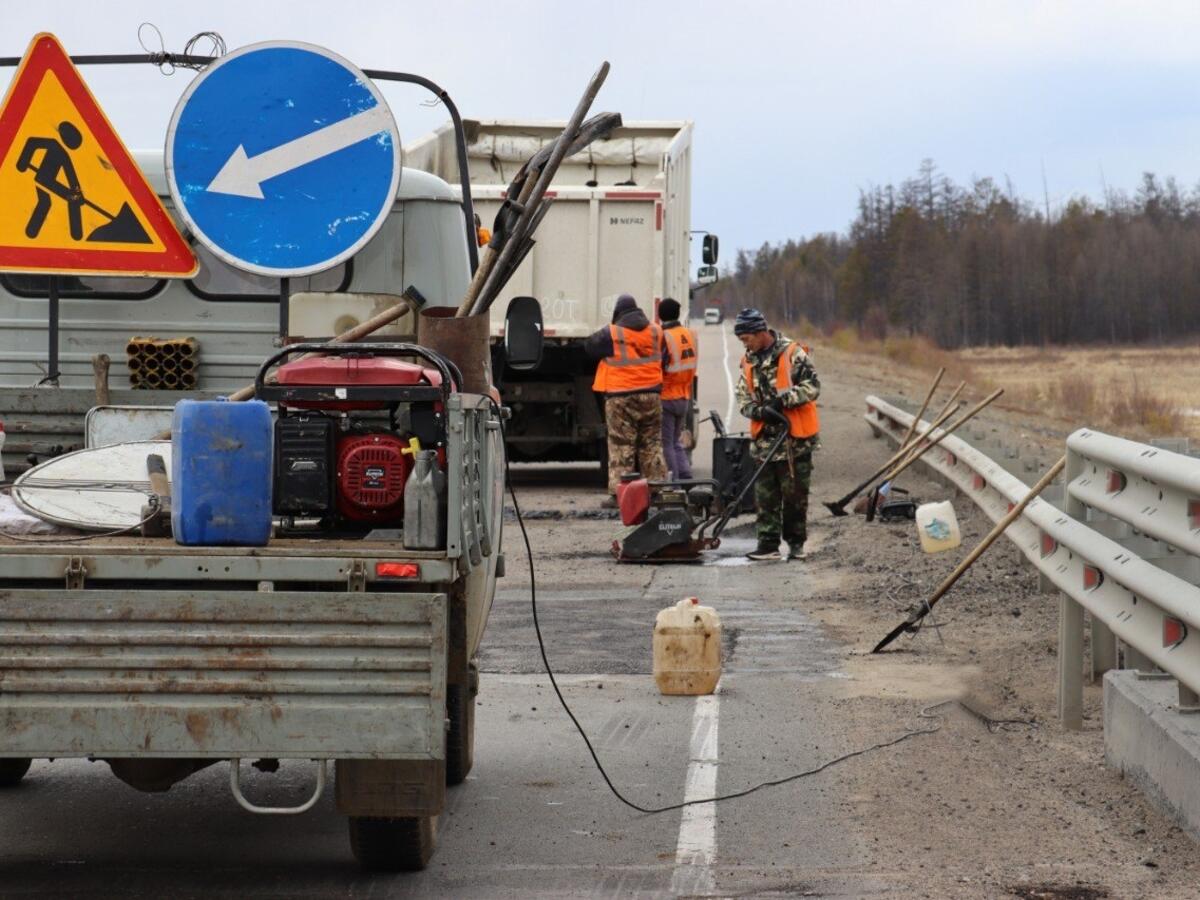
[838, 507]
[912, 623]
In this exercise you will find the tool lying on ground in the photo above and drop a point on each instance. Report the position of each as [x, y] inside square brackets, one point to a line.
[838, 507]
[673, 518]
[919, 449]
[913, 623]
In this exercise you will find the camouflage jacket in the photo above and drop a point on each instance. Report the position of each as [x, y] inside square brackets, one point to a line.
[805, 388]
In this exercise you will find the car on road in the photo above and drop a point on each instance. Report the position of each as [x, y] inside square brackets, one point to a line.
[713, 316]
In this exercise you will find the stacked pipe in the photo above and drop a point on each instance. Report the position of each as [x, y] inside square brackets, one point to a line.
[162, 364]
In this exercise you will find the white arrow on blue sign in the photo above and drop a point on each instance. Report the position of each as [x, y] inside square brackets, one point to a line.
[283, 158]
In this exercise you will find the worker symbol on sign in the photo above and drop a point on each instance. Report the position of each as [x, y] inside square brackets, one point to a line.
[49, 175]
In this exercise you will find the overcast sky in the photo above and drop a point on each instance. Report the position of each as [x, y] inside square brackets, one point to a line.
[797, 105]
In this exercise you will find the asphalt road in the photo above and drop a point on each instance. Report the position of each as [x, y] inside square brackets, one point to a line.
[534, 817]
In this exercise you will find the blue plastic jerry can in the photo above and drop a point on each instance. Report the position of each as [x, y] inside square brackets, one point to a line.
[221, 473]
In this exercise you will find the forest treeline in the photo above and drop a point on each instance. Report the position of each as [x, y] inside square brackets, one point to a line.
[976, 264]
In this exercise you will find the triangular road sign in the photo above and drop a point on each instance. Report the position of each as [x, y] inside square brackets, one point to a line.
[72, 200]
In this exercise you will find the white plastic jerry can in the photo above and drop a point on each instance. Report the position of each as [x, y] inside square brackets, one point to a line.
[938, 527]
[687, 648]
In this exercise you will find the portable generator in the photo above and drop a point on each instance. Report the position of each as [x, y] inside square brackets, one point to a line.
[351, 420]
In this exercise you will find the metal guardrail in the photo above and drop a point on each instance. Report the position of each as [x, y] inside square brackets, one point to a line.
[1149, 608]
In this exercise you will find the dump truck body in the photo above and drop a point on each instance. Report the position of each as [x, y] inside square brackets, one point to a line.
[619, 224]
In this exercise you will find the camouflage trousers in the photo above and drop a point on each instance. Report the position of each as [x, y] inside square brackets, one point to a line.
[634, 423]
[781, 502]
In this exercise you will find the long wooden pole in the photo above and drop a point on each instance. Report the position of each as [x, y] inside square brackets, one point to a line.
[937, 379]
[838, 507]
[921, 449]
[948, 582]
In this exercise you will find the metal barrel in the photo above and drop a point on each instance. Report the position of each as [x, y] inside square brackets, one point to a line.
[461, 339]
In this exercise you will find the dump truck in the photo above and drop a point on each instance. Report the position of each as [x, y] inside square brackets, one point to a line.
[335, 646]
[620, 223]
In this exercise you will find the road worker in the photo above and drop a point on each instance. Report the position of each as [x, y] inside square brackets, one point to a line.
[778, 376]
[679, 376]
[630, 376]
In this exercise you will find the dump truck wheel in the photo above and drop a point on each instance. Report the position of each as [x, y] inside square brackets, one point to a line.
[13, 770]
[393, 845]
[460, 739]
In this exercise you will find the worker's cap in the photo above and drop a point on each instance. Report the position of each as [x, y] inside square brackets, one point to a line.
[749, 321]
[668, 310]
[625, 303]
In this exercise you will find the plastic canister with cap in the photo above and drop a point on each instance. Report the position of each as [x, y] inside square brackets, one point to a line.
[687, 648]
[938, 527]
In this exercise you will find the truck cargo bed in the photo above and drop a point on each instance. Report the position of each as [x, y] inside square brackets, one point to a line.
[136, 647]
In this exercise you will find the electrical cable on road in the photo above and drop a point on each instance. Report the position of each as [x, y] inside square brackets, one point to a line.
[925, 713]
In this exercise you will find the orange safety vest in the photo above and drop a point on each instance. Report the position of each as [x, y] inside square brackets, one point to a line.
[802, 420]
[680, 370]
[636, 362]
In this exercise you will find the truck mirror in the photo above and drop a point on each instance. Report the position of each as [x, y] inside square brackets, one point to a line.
[706, 275]
[523, 338]
[711, 246]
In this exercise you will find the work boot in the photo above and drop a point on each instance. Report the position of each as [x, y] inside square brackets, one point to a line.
[763, 552]
[609, 502]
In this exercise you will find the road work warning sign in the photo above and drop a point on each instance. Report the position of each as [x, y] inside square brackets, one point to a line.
[72, 200]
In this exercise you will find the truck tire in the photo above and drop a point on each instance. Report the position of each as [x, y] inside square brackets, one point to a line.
[460, 739]
[12, 770]
[393, 845]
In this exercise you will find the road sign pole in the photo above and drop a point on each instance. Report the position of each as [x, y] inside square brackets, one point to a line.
[52, 364]
[285, 301]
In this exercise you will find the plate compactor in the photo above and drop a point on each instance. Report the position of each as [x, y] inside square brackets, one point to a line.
[677, 520]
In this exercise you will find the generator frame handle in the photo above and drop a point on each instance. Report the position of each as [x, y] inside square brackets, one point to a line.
[448, 371]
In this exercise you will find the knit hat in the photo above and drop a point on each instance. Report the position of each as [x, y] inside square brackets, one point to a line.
[749, 321]
[625, 303]
[668, 310]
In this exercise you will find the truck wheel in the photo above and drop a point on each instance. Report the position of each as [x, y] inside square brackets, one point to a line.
[460, 739]
[12, 770]
[393, 845]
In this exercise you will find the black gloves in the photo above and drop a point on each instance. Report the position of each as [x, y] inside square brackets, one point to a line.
[763, 411]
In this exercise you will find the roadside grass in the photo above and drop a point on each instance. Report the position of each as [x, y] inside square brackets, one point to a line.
[1133, 391]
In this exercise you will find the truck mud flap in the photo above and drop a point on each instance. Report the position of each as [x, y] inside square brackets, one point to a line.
[218, 674]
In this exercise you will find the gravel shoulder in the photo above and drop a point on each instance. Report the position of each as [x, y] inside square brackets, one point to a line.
[1022, 808]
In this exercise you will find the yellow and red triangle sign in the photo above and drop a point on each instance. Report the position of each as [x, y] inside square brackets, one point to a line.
[72, 199]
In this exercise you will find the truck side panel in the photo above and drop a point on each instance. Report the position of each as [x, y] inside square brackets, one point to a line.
[224, 673]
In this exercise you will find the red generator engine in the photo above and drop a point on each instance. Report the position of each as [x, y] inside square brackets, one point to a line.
[351, 421]
[372, 470]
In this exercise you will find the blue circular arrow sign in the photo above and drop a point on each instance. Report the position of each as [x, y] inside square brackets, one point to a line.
[283, 158]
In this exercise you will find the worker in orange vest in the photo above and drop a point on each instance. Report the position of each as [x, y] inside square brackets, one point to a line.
[679, 377]
[778, 380]
[630, 376]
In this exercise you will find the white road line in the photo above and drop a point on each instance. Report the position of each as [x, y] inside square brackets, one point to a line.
[696, 851]
[728, 379]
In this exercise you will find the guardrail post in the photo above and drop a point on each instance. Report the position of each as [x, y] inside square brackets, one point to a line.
[1104, 649]
[1136, 660]
[1189, 700]
[1070, 663]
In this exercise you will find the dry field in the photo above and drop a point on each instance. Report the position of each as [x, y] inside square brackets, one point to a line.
[1135, 390]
